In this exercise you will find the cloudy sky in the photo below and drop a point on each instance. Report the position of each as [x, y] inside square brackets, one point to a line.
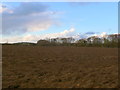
[30, 21]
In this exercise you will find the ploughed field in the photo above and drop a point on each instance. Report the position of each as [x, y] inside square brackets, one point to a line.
[59, 67]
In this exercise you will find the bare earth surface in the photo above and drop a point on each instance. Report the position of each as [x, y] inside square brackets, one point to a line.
[59, 67]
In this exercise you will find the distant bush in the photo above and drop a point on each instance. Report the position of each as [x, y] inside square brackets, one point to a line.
[20, 43]
[43, 43]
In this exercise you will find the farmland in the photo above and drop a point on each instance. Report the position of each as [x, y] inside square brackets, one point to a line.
[59, 67]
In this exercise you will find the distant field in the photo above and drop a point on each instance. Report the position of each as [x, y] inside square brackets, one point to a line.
[59, 67]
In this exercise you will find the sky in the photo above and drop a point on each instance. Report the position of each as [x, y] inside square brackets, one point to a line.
[31, 21]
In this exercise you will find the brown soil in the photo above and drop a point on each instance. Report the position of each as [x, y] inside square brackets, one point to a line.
[59, 67]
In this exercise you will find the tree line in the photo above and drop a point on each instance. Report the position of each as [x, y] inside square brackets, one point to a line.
[112, 40]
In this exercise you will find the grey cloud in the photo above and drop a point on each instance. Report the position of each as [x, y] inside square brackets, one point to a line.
[3, 6]
[28, 8]
[25, 18]
[90, 33]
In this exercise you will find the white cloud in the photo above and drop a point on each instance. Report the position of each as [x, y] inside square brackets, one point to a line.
[103, 34]
[65, 33]
[100, 35]
[89, 34]
[35, 38]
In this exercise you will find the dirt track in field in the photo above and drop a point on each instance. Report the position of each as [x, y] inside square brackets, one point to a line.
[59, 67]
